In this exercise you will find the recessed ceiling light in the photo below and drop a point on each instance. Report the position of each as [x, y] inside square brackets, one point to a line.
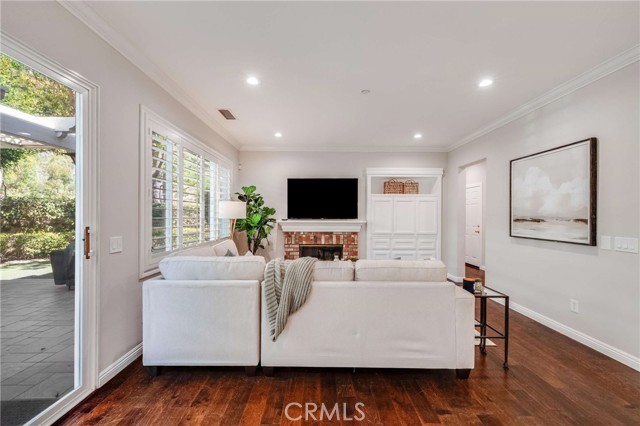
[278, 135]
[417, 136]
[253, 81]
[485, 82]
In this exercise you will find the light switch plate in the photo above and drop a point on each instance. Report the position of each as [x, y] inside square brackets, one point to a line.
[628, 245]
[605, 243]
[115, 245]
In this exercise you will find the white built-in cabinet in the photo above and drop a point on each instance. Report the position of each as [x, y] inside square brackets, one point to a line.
[406, 226]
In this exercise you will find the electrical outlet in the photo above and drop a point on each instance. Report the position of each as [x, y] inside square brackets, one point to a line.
[574, 306]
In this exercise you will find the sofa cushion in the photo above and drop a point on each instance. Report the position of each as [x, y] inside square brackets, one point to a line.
[212, 268]
[400, 270]
[221, 248]
[333, 271]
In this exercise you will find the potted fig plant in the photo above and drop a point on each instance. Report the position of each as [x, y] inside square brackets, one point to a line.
[259, 221]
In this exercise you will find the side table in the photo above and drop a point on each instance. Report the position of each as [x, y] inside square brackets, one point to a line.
[482, 322]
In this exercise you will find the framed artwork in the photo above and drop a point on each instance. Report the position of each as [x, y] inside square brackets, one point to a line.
[554, 194]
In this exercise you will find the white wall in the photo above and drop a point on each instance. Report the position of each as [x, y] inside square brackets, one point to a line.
[50, 29]
[542, 276]
[269, 172]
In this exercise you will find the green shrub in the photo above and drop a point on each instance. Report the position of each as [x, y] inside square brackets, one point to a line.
[32, 245]
[37, 214]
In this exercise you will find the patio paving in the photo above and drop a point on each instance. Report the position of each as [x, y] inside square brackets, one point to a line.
[37, 339]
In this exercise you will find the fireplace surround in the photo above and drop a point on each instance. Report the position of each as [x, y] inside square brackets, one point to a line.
[323, 242]
[299, 233]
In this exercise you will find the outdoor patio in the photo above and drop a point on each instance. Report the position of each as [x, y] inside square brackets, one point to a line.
[37, 339]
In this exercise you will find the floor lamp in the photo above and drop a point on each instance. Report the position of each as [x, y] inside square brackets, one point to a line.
[233, 210]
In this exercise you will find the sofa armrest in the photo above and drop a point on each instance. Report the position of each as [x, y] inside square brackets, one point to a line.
[201, 322]
[465, 328]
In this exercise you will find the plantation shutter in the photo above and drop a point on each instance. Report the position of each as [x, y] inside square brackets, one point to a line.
[192, 199]
[165, 177]
[186, 188]
[224, 193]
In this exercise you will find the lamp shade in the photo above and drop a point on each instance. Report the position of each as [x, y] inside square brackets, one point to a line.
[233, 210]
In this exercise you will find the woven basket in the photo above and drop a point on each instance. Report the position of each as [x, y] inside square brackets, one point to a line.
[393, 186]
[410, 187]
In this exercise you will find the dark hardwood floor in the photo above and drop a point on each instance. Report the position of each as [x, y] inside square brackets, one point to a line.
[471, 271]
[552, 380]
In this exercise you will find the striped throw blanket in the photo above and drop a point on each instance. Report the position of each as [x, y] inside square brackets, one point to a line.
[287, 284]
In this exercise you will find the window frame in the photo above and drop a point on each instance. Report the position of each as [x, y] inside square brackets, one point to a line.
[151, 122]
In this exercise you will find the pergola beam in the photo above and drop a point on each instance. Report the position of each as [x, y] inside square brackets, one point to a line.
[41, 134]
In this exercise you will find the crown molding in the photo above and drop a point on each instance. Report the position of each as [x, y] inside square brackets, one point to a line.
[610, 66]
[91, 19]
[333, 148]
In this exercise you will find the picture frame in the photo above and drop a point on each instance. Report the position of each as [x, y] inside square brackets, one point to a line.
[553, 194]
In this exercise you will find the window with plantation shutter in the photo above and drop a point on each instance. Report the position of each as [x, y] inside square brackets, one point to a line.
[183, 182]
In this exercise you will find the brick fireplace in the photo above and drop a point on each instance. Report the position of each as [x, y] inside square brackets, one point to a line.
[294, 240]
[322, 238]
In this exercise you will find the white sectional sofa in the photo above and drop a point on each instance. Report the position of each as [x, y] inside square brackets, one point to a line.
[377, 313]
[204, 311]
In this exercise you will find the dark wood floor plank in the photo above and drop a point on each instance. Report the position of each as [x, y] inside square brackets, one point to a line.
[552, 380]
[405, 410]
[420, 403]
[293, 394]
[256, 403]
[274, 404]
[362, 382]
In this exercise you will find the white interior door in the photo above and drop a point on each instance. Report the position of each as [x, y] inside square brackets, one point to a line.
[473, 225]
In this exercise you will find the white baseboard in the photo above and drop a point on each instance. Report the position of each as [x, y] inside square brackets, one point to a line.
[111, 371]
[595, 344]
[453, 278]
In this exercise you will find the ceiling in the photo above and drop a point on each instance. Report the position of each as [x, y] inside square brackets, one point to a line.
[421, 61]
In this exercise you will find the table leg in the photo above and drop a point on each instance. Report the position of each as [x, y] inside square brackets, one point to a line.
[506, 332]
[483, 325]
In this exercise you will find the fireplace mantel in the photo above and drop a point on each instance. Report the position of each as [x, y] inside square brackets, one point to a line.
[324, 225]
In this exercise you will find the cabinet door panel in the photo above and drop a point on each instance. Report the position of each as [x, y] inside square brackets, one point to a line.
[427, 216]
[403, 243]
[426, 243]
[404, 216]
[380, 244]
[382, 213]
[380, 254]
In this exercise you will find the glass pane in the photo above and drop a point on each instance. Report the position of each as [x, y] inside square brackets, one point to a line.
[38, 258]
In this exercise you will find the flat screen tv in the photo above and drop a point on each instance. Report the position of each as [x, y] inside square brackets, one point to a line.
[322, 198]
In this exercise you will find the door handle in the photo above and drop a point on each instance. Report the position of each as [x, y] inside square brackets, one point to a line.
[87, 243]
